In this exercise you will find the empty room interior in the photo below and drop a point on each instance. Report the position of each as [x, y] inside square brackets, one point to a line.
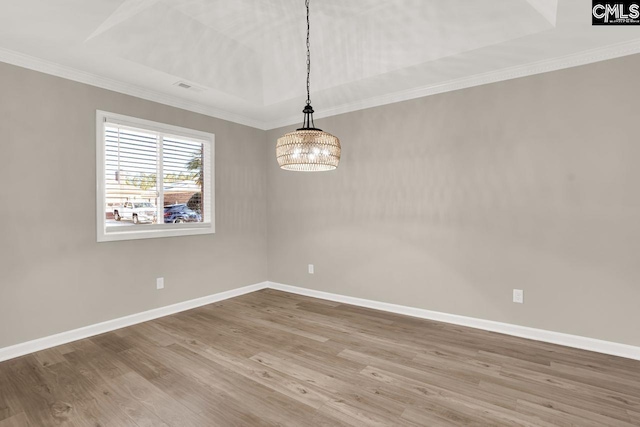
[319, 213]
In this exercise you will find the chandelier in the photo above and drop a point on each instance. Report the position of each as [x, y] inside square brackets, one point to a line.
[308, 149]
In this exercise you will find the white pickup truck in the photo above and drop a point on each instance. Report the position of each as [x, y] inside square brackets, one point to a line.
[136, 211]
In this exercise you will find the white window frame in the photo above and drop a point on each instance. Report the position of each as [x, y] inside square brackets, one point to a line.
[109, 234]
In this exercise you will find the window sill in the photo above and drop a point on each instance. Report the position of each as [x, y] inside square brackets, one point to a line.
[112, 234]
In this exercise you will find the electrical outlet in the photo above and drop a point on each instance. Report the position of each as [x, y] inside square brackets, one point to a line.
[310, 268]
[518, 296]
[160, 283]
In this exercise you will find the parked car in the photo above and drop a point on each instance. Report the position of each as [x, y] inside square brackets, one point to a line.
[180, 213]
[136, 212]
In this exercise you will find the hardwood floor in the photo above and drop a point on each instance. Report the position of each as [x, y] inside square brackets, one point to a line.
[272, 358]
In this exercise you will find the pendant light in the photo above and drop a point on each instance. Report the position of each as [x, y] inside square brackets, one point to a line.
[308, 149]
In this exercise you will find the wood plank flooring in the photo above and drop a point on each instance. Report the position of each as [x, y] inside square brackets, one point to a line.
[275, 359]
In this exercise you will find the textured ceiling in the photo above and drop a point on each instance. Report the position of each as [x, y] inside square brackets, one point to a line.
[254, 51]
[248, 56]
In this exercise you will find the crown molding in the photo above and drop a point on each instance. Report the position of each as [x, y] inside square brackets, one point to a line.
[58, 70]
[545, 66]
[587, 57]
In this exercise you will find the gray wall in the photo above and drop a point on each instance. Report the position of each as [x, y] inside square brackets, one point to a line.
[449, 202]
[53, 275]
[445, 203]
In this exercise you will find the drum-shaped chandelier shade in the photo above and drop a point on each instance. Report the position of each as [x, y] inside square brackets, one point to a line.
[308, 149]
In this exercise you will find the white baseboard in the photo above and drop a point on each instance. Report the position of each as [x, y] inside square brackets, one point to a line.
[21, 349]
[575, 341]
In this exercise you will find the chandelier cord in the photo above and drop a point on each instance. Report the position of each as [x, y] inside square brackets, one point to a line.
[308, 122]
[308, 57]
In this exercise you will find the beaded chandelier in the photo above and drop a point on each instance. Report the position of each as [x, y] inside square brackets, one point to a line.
[308, 149]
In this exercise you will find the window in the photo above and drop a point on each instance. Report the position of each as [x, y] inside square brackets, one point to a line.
[153, 180]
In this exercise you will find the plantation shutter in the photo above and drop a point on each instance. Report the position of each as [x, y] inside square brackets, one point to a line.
[131, 165]
[151, 167]
[183, 172]
[154, 179]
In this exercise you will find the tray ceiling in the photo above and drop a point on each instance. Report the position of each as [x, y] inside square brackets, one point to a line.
[246, 58]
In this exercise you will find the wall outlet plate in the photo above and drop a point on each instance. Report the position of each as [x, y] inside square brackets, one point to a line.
[160, 283]
[310, 268]
[518, 296]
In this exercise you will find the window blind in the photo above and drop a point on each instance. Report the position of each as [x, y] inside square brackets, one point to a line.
[160, 172]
